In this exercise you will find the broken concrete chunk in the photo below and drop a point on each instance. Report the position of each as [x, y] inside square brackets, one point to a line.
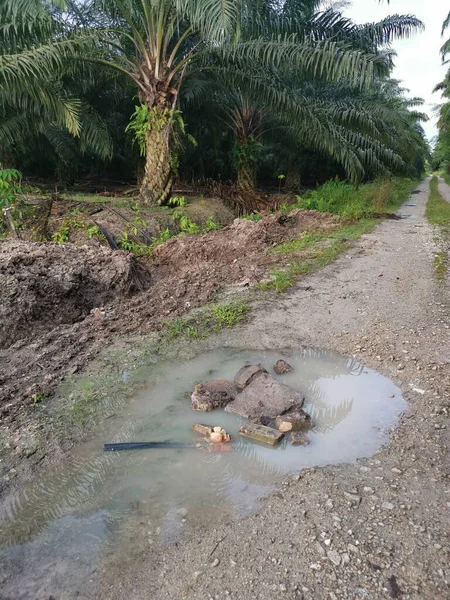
[212, 394]
[299, 438]
[245, 375]
[203, 429]
[281, 367]
[294, 420]
[266, 397]
[263, 434]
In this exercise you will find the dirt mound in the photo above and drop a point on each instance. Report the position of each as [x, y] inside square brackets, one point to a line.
[237, 249]
[50, 293]
[46, 285]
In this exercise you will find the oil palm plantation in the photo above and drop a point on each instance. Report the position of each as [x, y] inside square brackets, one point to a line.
[45, 110]
[250, 46]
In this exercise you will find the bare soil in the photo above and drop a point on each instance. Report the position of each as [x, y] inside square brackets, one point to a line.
[62, 303]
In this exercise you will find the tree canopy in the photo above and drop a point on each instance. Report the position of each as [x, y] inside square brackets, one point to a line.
[237, 89]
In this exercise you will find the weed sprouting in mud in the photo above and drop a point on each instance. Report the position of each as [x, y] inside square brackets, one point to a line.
[209, 321]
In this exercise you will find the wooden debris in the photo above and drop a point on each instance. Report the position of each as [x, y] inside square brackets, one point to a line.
[203, 429]
[260, 433]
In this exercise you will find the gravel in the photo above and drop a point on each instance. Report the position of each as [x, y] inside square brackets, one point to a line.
[377, 528]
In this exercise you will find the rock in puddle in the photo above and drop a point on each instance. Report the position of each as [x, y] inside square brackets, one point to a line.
[264, 396]
[294, 420]
[212, 394]
[245, 375]
[260, 433]
[281, 367]
[299, 438]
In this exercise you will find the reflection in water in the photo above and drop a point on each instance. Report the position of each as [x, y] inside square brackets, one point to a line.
[101, 504]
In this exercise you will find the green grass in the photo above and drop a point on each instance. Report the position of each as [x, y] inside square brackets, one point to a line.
[322, 250]
[441, 264]
[377, 198]
[438, 209]
[446, 176]
[360, 207]
[211, 320]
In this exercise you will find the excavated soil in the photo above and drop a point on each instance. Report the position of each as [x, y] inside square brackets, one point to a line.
[46, 285]
[63, 303]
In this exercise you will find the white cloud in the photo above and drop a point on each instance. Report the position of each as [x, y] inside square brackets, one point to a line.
[418, 64]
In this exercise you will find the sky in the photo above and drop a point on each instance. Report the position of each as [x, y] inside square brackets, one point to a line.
[418, 64]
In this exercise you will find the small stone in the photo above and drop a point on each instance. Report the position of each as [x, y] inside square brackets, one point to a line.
[327, 542]
[245, 375]
[315, 566]
[368, 490]
[396, 471]
[354, 498]
[387, 505]
[329, 503]
[333, 596]
[294, 420]
[212, 394]
[281, 367]
[197, 574]
[182, 511]
[353, 548]
[283, 588]
[334, 557]
[299, 438]
[215, 562]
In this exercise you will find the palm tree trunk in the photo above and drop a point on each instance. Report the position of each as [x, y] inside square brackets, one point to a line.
[157, 180]
[293, 182]
[245, 179]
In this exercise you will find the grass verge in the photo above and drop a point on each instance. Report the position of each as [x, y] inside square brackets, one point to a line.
[362, 209]
[438, 209]
[211, 320]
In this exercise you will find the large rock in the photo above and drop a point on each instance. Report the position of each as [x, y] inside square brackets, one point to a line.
[265, 397]
[245, 375]
[259, 433]
[281, 367]
[212, 394]
[294, 420]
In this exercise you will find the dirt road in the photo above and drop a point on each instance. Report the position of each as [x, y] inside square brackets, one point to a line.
[375, 529]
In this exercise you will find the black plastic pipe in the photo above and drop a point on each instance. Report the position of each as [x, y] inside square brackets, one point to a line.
[141, 445]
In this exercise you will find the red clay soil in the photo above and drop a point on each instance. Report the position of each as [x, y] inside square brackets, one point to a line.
[60, 304]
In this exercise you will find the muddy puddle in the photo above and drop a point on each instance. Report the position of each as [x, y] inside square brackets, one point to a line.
[58, 532]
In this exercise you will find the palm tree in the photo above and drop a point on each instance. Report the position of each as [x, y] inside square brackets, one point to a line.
[158, 44]
[45, 112]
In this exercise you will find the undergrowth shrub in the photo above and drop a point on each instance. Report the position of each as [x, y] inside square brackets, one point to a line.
[349, 202]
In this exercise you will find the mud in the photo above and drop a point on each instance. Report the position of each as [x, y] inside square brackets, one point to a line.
[46, 285]
[64, 303]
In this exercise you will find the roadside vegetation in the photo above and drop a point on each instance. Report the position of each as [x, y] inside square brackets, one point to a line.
[360, 210]
[438, 209]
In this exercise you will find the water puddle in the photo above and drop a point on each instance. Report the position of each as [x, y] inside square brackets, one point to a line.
[59, 530]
